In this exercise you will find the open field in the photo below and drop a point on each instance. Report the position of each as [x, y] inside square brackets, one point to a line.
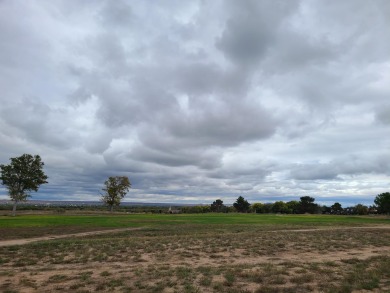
[196, 253]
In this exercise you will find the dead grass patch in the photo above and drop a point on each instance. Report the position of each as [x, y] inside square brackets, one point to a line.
[170, 259]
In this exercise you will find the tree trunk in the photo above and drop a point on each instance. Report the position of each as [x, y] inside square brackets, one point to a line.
[112, 208]
[14, 209]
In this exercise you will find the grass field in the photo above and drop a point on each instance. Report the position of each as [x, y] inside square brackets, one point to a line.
[197, 253]
[37, 225]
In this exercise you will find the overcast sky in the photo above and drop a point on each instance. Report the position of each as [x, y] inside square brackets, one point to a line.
[199, 100]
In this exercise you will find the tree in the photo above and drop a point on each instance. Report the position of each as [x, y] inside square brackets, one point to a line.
[218, 206]
[336, 208]
[23, 175]
[242, 205]
[360, 209]
[115, 189]
[307, 205]
[382, 201]
[326, 210]
[293, 206]
[268, 207]
[258, 207]
[279, 207]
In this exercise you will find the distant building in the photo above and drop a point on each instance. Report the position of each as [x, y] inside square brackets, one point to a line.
[173, 211]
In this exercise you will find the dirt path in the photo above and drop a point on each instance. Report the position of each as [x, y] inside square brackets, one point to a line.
[91, 233]
[50, 237]
[296, 264]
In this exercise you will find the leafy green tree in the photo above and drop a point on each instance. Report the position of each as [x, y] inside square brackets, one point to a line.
[195, 209]
[242, 205]
[279, 207]
[23, 175]
[326, 210]
[382, 201]
[268, 208]
[257, 207]
[336, 208]
[360, 209]
[218, 206]
[293, 206]
[115, 190]
[307, 205]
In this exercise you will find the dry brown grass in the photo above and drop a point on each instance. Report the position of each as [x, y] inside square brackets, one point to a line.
[203, 259]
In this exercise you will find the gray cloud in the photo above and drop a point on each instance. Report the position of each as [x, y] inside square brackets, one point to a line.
[117, 15]
[349, 165]
[193, 101]
[252, 28]
[383, 114]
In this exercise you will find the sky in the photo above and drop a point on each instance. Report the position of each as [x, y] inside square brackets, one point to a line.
[199, 100]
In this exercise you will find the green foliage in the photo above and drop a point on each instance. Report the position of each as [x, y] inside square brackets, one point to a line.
[360, 209]
[115, 189]
[293, 207]
[200, 209]
[279, 207]
[307, 205]
[382, 201]
[218, 206]
[257, 207]
[242, 205]
[336, 208]
[23, 175]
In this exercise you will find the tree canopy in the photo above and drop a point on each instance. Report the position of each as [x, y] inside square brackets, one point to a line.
[23, 175]
[218, 206]
[336, 208]
[242, 205]
[258, 207]
[115, 190]
[307, 205]
[382, 201]
[360, 209]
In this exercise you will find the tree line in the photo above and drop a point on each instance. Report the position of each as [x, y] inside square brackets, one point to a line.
[25, 174]
[306, 205]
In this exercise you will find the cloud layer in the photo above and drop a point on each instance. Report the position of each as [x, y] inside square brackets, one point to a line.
[195, 101]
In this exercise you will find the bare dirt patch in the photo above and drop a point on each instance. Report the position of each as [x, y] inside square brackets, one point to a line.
[174, 259]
